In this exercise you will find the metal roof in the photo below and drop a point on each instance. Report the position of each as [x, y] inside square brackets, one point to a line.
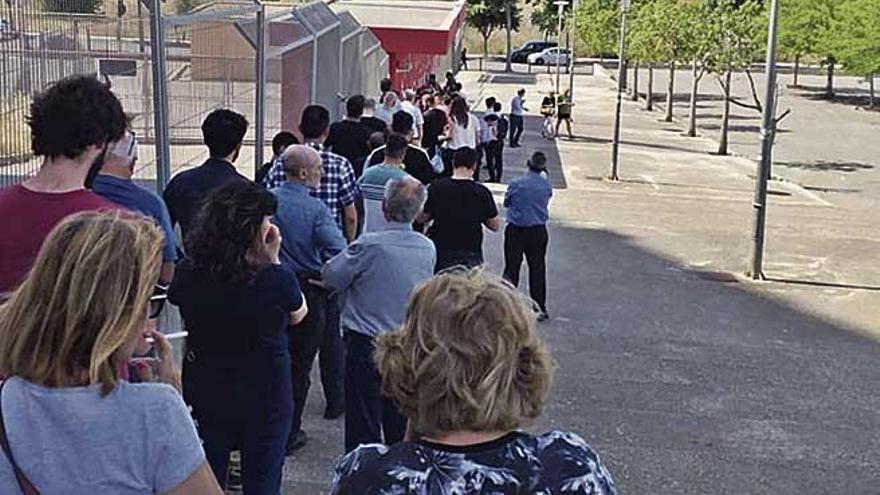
[439, 15]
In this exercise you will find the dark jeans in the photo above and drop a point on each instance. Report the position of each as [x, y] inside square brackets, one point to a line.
[495, 159]
[332, 356]
[368, 415]
[481, 152]
[305, 340]
[531, 241]
[262, 457]
[466, 259]
[516, 129]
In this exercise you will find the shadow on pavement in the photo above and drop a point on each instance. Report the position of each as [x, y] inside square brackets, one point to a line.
[827, 166]
[831, 285]
[686, 385]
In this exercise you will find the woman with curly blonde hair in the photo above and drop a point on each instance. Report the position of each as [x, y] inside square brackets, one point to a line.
[468, 371]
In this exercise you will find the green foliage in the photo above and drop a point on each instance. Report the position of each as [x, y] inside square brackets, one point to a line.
[662, 30]
[858, 36]
[598, 26]
[801, 23]
[736, 34]
[73, 6]
[187, 6]
[545, 16]
[486, 16]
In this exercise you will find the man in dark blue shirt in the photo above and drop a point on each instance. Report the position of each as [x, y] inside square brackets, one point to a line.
[114, 184]
[527, 200]
[310, 237]
[223, 131]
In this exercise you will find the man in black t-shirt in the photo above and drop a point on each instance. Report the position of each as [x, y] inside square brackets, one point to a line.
[435, 125]
[416, 161]
[349, 136]
[369, 119]
[458, 208]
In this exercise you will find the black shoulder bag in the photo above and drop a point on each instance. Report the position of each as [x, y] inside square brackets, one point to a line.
[23, 482]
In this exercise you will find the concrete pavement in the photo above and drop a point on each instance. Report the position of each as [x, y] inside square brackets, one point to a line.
[684, 383]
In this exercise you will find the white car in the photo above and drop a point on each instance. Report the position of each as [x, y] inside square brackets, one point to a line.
[550, 56]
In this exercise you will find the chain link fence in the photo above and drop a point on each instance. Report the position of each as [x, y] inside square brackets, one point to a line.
[170, 74]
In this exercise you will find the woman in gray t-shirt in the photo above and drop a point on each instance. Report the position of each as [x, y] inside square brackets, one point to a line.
[73, 424]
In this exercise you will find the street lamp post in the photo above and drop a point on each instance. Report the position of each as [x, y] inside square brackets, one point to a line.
[768, 134]
[574, 11]
[621, 77]
[561, 5]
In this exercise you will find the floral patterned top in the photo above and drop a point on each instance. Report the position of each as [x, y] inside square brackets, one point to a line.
[555, 463]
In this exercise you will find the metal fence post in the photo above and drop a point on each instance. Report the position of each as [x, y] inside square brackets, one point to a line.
[160, 96]
[308, 25]
[260, 104]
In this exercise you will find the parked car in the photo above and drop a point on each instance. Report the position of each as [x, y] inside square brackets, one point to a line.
[521, 54]
[550, 56]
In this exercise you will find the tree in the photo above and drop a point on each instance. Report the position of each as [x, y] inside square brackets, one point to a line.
[487, 16]
[737, 32]
[545, 16]
[858, 28]
[828, 40]
[800, 23]
[73, 6]
[598, 26]
[697, 19]
[646, 41]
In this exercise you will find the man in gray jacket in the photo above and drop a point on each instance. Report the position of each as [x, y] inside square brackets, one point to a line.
[375, 276]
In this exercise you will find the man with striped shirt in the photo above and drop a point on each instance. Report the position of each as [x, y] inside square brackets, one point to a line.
[372, 183]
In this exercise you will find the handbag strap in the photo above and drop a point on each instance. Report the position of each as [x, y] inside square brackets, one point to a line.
[24, 483]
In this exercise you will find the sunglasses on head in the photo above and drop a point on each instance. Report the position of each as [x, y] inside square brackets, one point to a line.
[157, 300]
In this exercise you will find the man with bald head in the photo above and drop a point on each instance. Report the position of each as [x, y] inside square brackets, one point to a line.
[309, 238]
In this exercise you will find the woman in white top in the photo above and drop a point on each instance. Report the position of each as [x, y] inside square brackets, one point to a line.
[72, 423]
[464, 128]
[390, 106]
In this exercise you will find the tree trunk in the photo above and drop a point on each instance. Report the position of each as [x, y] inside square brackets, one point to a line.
[725, 117]
[635, 88]
[872, 100]
[485, 50]
[829, 86]
[797, 69]
[649, 95]
[692, 115]
[670, 92]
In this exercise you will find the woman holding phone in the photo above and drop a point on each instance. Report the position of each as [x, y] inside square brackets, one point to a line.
[238, 304]
[70, 422]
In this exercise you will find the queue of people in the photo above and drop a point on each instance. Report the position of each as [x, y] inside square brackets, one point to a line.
[359, 248]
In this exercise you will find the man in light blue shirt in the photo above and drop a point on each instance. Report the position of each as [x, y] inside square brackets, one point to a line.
[527, 200]
[375, 275]
[309, 237]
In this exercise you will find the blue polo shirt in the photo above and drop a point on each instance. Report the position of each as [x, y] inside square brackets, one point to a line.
[125, 192]
[527, 200]
[309, 233]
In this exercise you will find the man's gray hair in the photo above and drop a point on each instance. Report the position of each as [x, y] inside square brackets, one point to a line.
[404, 199]
[370, 103]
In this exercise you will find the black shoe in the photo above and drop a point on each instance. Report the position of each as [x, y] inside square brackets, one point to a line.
[543, 316]
[334, 411]
[296, 441]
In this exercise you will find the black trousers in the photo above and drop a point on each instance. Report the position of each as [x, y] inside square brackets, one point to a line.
[331, 358]
[450, 259]
[305, 340]
[516, 129]
[495, 159]
[369, 417]
[531, 242]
